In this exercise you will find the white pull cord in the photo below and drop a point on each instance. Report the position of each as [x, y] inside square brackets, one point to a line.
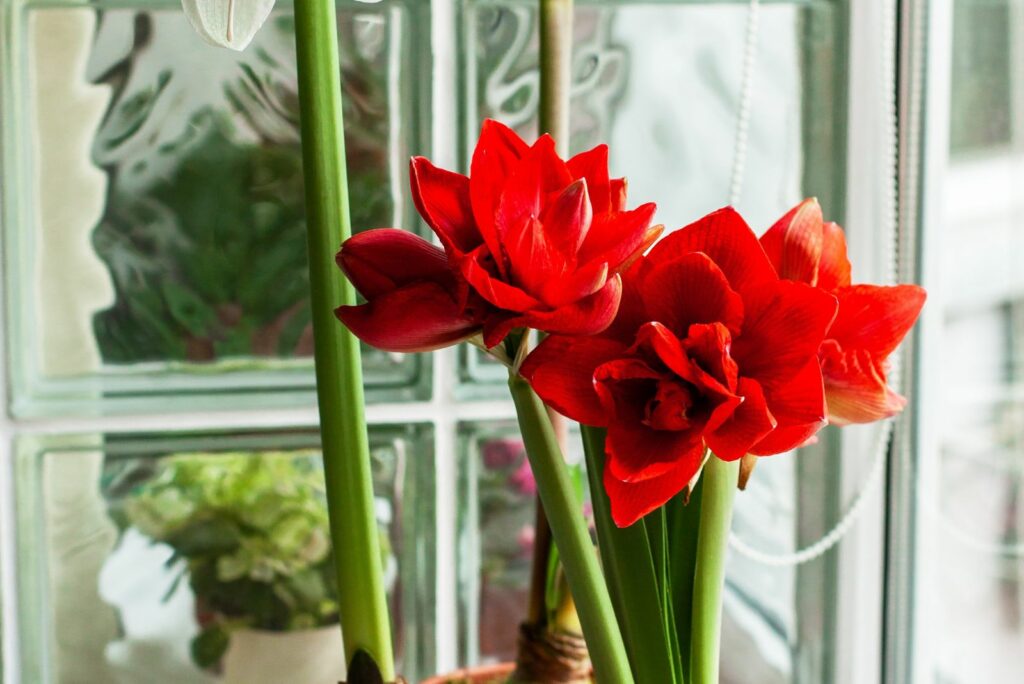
[835, 535]
[890, 213]
[739, 160]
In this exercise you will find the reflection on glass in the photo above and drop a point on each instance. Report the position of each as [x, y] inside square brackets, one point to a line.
[195, 228]
[497, 542]
[207, 558]
[497, 519]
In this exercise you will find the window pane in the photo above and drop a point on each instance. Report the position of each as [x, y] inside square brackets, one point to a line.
[969, 577]
[497, 524]
[174, 558]
[981, 102]
[157, 219]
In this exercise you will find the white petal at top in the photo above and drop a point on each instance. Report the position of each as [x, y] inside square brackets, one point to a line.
[227, 23]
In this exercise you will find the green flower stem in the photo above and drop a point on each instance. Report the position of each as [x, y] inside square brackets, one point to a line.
[632, 578]
[555, 70]
[555, 56]
[363, 604]
[575, 550]
[719, 483]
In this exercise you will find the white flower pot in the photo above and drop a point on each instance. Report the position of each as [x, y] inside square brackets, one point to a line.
[312, 656]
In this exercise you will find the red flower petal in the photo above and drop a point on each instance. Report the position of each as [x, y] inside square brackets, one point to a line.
[561, 371]
[725, 237]
[691, 289]
[708, 345]
[532, 261]
[497, 153]
[784, 325]
[574, 286]
[637, 452]
[876, 318]
[442, 199]
[677, 356]
[526, 191]
[748, 424]
[632, 312]
[419, 317]
[834, 269]
[794, 243]
[382, 260]
[617, 238]
[567, 219]
[855, 386]
[592, 165]
[801, 399]
[617, 194]
[632, 501]
[587, 316]
[799, 408]
[497, 292]
[783, 439]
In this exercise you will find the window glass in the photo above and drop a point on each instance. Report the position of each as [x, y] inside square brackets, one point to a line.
[970, 576]
[177, 558]
[982, 104]
[160, 217]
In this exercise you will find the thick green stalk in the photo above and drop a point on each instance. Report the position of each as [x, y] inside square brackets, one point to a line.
[363, 605]
[564, 511]
[555, 70]
[632, 577]
[555, 44]
[719, 486]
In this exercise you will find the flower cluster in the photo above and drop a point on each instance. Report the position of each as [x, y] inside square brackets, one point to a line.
[529, 241]
[711, 344]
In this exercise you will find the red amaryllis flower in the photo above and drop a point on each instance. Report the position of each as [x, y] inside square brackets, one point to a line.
[529, 240]
[871, 322]
[710, 350]
[410, 290]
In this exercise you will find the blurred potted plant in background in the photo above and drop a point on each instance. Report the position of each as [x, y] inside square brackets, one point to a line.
[249, 532]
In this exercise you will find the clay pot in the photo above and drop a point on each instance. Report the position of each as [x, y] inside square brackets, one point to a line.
[486, 674]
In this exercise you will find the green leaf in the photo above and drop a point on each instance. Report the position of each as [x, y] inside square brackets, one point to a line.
[657, 536]
[632, 578]
[216, 536]
[187, 309]
[209, 646]
[683, 522]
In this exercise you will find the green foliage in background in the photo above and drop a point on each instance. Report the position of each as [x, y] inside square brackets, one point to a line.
[250, 533]
[209, 262]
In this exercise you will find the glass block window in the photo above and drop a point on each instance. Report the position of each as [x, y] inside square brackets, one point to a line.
[157, 322]
[153, 557]
[175, 263]
[497, 528]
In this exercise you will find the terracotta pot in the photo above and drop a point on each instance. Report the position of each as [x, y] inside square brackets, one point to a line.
[486, 674]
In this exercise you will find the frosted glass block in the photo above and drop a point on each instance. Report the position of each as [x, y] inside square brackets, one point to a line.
[155, 205]
[660, 82]
[497, 524]
[179, 558]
